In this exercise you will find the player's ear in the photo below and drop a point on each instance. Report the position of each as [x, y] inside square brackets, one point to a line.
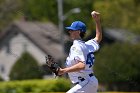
[79, 31]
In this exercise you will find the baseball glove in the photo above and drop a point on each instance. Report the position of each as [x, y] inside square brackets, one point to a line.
[53, 66]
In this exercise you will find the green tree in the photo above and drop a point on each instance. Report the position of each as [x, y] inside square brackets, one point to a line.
[40, 10]
[8, 11]
[120, 14]
[25, 67]
[118, 64]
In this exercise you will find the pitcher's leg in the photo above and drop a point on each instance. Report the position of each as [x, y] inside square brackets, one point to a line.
[74, 89]
[78, 87]
[91, 86]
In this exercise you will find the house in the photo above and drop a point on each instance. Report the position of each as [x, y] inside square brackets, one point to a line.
[39, 39]
[120, 35]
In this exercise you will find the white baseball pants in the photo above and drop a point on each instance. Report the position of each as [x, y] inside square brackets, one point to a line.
[87, 86]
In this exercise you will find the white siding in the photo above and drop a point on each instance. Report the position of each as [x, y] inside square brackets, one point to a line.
[17, 46]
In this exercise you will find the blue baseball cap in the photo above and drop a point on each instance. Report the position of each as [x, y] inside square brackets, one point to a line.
[77, 25]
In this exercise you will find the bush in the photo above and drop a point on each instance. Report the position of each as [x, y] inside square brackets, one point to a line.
[35, 86]
[1, 79]
[26, 67]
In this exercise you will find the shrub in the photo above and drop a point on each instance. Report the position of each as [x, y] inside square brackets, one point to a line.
[1, 79]
[26, 67]
[35, 86]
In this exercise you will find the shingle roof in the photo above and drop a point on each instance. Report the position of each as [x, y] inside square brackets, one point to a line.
[122, 35]
[45, 35]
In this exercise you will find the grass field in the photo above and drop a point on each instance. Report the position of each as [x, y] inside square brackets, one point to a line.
[98, 92]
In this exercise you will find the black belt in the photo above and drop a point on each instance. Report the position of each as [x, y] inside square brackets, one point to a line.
[82, 79]
[91, 74]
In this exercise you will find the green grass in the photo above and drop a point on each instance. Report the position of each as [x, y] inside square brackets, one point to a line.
[98, 92]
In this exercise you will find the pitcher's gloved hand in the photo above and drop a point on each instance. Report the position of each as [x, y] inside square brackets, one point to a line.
[53, 66]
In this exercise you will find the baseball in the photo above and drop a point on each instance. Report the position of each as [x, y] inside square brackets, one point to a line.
[93, 13]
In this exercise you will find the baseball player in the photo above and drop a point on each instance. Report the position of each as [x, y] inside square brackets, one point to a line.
[81, 58]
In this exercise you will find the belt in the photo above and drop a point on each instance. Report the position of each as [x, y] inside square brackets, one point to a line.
[91, 74]
[82, 79]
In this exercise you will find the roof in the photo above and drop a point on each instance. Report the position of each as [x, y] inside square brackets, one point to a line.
[122, 35]
[45, 35]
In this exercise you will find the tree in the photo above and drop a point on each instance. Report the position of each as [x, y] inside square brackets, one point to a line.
[8, 10]
[120, 14]
[25, 67]
[40, 10]
[118, 65]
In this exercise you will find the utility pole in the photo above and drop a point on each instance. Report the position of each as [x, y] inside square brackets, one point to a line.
[61, 25]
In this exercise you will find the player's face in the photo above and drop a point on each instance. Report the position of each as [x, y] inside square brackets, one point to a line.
[74, 34]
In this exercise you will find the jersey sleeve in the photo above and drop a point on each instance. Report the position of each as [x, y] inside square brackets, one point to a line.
[92, 45]
[77, 53]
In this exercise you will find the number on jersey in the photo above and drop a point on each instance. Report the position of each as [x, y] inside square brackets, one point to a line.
[90, 59]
